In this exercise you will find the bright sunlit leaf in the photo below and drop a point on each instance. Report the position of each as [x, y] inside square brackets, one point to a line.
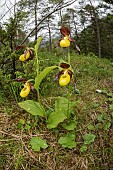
[38, 43]
[42, 75]
[32, 107]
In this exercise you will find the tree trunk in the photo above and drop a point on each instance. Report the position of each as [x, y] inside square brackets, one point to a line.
[36, 20]
[50, 41]
[60, 13]
[98, 36]
[96, 28]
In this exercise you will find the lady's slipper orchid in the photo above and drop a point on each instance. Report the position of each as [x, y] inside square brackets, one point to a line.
[65, 41]
[27, 87]
[64, 78]
[64, 75]
[26, 90]
[28, 55]
[24, 56]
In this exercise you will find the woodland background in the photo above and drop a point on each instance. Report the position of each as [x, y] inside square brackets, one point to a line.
[91, 26]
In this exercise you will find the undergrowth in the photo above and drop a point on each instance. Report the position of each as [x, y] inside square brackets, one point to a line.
[94, 116]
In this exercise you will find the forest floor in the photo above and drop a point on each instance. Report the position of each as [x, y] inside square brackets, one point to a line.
[94, 112]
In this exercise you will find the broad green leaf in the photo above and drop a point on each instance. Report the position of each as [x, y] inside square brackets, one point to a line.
[62, 105]
[55, 118]
[70, 126]
[32, 107]
[37, 143]
[42, 75]
[88, 138]
[83, 148]
[38, 43]
[68, 141]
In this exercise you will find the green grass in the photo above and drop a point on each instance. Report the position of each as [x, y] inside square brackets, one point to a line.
[92, 112]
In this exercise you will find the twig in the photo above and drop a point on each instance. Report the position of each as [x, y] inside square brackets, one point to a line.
[13, 135]
[6, 140]
[30, 153]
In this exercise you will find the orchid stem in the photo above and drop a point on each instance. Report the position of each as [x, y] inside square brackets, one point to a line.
[37, 63]
[69, 58]
[68, 111]
[37, 72]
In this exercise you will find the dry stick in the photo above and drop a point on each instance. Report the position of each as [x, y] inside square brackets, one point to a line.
[56, 9]
[12, 135]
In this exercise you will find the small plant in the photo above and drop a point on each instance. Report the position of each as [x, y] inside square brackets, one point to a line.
[68, 141]
[104, 118]
[37, 143]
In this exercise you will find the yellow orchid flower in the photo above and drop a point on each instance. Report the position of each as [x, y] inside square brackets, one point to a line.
[26, 90]
[25, 56]
[65, 42]
[64, 79]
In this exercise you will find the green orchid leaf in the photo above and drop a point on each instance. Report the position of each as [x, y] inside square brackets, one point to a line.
[55, 118]
[62, 104]
[37, 143]
[88, 138]
[68, 141]
[37, 44]
[42, 75]
[32, 107]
